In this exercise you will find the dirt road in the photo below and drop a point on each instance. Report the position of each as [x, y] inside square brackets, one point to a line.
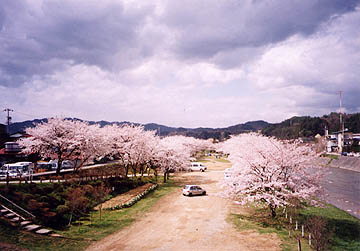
[189, 223]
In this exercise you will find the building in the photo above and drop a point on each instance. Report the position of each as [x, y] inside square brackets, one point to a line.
[342, 142]
[9, 149]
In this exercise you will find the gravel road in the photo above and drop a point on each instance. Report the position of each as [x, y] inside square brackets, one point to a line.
[177, 222]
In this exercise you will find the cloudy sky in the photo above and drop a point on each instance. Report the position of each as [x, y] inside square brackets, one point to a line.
[179, 63]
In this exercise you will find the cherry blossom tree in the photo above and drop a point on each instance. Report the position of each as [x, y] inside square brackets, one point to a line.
[174, 152]
[132, 144]
[137, 149]
[172, 155]
[266, 170]
[64, 139]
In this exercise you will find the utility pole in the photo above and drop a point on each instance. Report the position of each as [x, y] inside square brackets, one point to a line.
[8, 119]
[341, 125]
[341, 135]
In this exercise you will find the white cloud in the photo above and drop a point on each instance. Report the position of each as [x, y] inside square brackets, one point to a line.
[314, 68]
[172, 63]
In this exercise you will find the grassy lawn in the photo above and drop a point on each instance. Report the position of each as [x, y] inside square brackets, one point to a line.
[345, 228]
[212, 158]
[84, 232]
[226, 161]
[331, 156]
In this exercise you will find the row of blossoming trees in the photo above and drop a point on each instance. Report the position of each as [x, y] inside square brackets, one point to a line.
[136, 148]
[267, 170]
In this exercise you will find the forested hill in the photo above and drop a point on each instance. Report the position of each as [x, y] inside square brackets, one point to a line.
[291, 128]
[202, 133]
[310, 126]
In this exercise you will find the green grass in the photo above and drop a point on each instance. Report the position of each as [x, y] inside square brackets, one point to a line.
[266, 225]
[86, 231]
[203, 160]
[212, 158]
[346, 228]
[331, 156]
[223, 160]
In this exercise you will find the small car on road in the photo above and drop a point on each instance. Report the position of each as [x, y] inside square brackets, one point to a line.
[197, 166]
[190, 190]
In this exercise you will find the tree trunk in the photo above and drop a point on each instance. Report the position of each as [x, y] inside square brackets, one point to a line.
[142, 172]
[273, 210]
[70, 218]
[100, 210]
[165, 173]
[59, 166]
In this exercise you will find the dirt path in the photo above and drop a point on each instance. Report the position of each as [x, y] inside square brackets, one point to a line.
[189, 223]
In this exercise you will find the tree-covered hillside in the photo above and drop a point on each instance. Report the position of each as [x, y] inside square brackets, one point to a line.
[307, 126]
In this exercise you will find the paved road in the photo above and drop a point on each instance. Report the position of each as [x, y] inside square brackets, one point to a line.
[343, 189]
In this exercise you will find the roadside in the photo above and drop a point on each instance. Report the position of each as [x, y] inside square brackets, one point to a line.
[343, 162]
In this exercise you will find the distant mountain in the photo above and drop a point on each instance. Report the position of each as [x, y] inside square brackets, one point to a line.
[310, 126]
[202, 133]
[294, 127]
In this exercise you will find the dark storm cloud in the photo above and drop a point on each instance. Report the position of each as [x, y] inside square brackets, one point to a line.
[205, 28]
[36, 40]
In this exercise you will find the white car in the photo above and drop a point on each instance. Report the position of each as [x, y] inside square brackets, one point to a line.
[190, 190]
[197, 166]
[14, 170]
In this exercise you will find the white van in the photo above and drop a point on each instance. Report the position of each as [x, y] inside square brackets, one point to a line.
[16, 169]
[197, 166]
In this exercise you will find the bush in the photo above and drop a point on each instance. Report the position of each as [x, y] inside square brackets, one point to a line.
[49, 202]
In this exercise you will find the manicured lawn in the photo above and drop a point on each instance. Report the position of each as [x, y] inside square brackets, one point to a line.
[85, 231]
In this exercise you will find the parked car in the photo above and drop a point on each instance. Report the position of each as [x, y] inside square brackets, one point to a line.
[27, 167]
[65, 164]
[3, 174]
[197, 166]
[43, 167]
[190, 190]
[14, 170]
